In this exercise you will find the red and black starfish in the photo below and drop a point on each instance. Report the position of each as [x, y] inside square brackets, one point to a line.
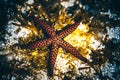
[55, 40]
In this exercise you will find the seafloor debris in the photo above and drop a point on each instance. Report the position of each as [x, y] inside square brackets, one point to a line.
[97, 38]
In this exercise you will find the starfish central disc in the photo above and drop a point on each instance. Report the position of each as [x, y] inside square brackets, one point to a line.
[55, 39]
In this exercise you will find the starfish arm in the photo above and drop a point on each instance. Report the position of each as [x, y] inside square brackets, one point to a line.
[72, 50]
[52, 59]
[45, 26]
[40, 43]
[69, 30]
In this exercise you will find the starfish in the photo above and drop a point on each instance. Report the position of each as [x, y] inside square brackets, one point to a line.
[55, 40]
